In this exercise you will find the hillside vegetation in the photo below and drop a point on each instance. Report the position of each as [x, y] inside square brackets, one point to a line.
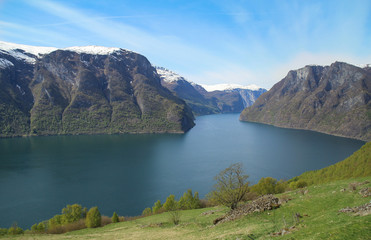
[310, 214]
[328, 208]
[357, 165]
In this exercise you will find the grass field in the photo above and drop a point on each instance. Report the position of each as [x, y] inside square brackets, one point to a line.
[319, 209]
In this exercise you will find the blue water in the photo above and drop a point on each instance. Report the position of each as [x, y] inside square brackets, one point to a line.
[127, 173]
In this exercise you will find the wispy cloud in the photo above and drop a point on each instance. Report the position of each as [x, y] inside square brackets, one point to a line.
[208, 42]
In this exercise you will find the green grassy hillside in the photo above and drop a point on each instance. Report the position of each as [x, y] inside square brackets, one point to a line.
[357, 165]
[319, 207]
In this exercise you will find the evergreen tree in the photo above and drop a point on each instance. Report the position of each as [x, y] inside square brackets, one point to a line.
[93, 218]
[170, 204]
[157, 207]
[115, 218]
[147, 212]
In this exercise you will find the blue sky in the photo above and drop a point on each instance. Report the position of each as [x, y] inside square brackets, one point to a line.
[207, 41]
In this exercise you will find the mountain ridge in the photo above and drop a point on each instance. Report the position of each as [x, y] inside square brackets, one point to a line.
[331, 99]
[234, 98]
[84, 90]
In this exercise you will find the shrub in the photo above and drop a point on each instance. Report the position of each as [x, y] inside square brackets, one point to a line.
[265, 186]
[55, 221]
[175, 217]
[301, 184]
[115, 218]
[34, 228]
[188, 201]
[157, 207]
[204, 203]
[41, 227]
[3, 231]
[105, 221]
[15, 230]
[170, 204]
[93, 218]
[147, 212]
[281, 186]
[72, 213]
[59, 229]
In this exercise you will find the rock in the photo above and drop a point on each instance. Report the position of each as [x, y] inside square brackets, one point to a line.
[365, 192]
[362, 210]
[266, 202]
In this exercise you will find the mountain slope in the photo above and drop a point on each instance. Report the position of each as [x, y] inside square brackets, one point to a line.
[333, 99]
[356, 165]
[84, 90]
[222, 98]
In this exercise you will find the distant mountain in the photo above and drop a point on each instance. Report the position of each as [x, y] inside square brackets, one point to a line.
[84, 90]
[209, 99]
[332, 99]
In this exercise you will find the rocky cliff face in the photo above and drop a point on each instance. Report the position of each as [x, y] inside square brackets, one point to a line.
[202, 102]
[332, 99]
[84, 90]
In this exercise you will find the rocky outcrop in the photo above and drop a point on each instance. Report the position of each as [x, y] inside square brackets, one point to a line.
[266, 202]
[332, 99]
[85, 90]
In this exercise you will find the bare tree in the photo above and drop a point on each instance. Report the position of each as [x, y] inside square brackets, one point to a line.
[231, 186]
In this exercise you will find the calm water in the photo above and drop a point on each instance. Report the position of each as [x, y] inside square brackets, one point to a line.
[126, 173]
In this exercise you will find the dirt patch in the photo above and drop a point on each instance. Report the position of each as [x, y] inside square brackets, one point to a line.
[266, 202]
[210, 212]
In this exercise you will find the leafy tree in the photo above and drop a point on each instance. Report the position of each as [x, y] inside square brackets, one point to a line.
[41, 227]
[231, 186]
[93, 218]
[115, 218]
[55, 221]
[281, 186]
[147, 212]
[72, 213]
[265, 186]
[188, 201]
[157, 207]
[170, 204]
[34, 228]
[14, 229]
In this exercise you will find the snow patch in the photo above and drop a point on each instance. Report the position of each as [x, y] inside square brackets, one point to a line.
[229, 86]
[24, 52]
[167, 75]
[5, 63]
[20, 89]
[47, 93]
[34, 50]
[29, 54]
[94, 50]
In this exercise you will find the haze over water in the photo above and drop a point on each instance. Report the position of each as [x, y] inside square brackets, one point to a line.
[127, 173]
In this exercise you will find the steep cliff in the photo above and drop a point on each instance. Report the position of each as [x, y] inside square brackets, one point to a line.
[84, 90]
[332, 99]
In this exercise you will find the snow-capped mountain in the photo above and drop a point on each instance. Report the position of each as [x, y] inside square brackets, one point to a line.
[84, 90]
[208, 99]
[29, 54]
[229, 86]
